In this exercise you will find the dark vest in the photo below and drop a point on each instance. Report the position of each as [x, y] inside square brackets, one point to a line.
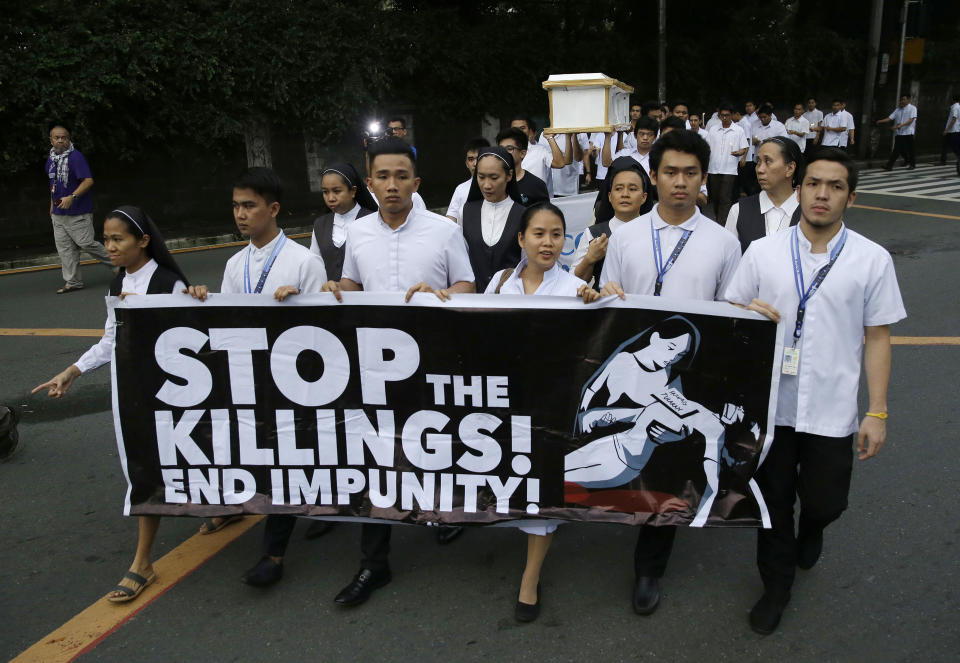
[161, 283]
[750, 222]
[331, 253]
[488, 260]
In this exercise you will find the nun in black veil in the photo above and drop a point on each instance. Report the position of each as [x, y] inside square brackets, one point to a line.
[348, 198]
[491, 215]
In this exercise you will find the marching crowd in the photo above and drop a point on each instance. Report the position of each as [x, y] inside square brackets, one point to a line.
[779, 246]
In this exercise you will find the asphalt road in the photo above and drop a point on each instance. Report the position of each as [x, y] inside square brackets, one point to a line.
[886, 588]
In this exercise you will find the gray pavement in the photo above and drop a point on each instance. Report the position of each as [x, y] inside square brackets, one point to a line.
[886, 589]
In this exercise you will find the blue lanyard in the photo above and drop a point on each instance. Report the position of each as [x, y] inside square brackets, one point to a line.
[266, 268]
[806, 293]
[662, 269]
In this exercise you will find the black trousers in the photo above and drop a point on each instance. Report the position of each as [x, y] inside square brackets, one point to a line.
[811, 143]
[903, 147]
[747, 178]
[276, 534]
[375, 546]
[720, 194]
[814, 468]
[950, 143]
[652, 553]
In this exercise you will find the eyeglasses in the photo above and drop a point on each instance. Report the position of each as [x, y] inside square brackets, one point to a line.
[510, 148]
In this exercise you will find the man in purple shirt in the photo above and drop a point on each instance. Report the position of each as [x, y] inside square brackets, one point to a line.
[71, 208]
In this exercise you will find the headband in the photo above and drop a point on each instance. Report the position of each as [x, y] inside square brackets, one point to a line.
[132, 220]
[334, 170]
[494, 154]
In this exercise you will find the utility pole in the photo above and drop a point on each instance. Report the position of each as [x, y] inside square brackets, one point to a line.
[903, 41]
[662, 52]
[870, 78]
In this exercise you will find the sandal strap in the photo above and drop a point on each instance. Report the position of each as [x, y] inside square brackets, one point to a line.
[136, 577]
[126, 591]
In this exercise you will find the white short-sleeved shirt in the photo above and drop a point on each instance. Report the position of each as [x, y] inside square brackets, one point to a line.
[702, 270]
[340, 222]
[748, 127]
[860, 291]
[955, 114]
[722, 143]
[850, 124]
[714, 121]
[770, 130]
[566, 180]
[834, 138]
[294, 265]
[814, 117]
[798, 124]
[774, 218]
[905, 114]
[557, 282]
[598, 139]
[642, 159]
[426, 247]
[458, 200]
[135, 283]
[538, 161]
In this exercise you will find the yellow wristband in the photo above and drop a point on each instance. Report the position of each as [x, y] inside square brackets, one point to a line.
[878, 415]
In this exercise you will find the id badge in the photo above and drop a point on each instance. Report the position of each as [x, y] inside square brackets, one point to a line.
[791, 361]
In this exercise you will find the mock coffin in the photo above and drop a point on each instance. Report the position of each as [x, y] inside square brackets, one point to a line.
[587, 103]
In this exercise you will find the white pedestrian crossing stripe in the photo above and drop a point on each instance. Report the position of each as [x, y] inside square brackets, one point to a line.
[926, 181]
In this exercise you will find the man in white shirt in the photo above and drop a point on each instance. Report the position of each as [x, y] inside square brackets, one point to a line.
[402, 250]
[850, 136]
[542, 157]
[682, 110]
[904, 119]
[767, 127]
[674, 252]
[694, 120]
[727, 144]
[824, 336]
[815, 117]
[835, 126]
[645, 132]
[798, 127]
[471, 149]
[951, 133]
[270, 263]
[747, 168]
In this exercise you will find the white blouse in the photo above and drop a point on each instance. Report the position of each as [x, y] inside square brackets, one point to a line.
[133, 282]
[557, 282]
[493, 219]
[340, 222]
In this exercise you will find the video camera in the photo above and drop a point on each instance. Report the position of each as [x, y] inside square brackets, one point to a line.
[375, 131]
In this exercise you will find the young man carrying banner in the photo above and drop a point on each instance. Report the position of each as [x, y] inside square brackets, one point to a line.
[401, 249]
[810, 276]
[269, 264]
[672, 251]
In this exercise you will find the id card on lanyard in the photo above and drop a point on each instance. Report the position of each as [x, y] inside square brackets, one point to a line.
[266, 268]
[662, 268]
[791, 355]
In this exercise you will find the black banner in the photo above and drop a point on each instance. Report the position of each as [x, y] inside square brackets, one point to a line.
[478, 410]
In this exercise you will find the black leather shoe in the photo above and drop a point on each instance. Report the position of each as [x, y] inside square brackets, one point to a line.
[765, 615]
[646, 595]
[362, 586]
[524, 612]
[264, 573]
[809, 547]
[448, 534]
[318, 528]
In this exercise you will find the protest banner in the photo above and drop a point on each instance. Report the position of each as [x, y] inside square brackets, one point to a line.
[478, 410]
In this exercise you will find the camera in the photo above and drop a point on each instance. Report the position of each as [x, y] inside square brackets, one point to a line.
[375, 131]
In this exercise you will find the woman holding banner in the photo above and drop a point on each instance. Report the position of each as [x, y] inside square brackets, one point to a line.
[136, 247]
[540, 236]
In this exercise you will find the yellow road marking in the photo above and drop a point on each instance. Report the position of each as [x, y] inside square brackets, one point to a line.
[188, 249]
[897, 211]
[51, 332]
[90, 627]
[925, 340]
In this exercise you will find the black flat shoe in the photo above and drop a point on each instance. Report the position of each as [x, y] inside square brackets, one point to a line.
[264, 573]
[362, 586]
[646, 595]
[448, 534]
[318, 528]
[525, 612]
[809, 547]
[765, 615]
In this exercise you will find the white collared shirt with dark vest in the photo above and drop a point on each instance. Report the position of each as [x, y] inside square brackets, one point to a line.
[330, 237]
[756, 216]
[490, 230]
